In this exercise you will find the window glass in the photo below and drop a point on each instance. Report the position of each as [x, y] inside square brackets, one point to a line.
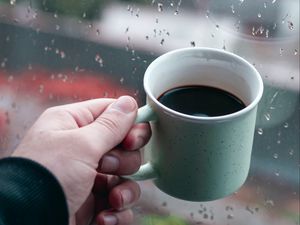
[55, 52]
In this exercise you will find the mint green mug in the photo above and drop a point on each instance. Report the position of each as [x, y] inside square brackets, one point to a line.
[198, 158]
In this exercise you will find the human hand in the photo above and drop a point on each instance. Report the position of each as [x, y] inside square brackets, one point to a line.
[80, 144]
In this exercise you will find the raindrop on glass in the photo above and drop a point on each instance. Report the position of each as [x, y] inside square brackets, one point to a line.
[273, 1]
[12, 2]
[275, 156]
[249, 209]
[217, 26]
[41, 88]
[55, 15]
[160, 7]
[259, 15]
[57, 27]
[265, 5]
[281, 51]
[286, 125]
[99, 59]
[267, 116]
[207, 13]
[290, 25]
[176, 12]
[84, 15]
[291, 152]
[98, 32]
[277, 173]
[10, 78]
[193, 44]
[267, 33]
[162, 41]
[122, 80]
[260, 131]
[269, 202]
[232, 9]
[295, 52]
[62, 54]
[230, 216]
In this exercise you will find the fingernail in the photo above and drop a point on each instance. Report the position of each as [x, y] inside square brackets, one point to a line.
[110, 220]
[124, 104]
[109, 164]
[127, 197]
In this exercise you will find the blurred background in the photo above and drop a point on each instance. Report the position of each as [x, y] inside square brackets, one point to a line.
[60, 51]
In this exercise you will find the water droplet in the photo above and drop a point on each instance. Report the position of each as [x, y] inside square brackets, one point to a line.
[230, 216]
[62, 54]
[10, 78]
[241, 1]
[176, 12]
[269, 202]
[55, 15]
[12, 2]
[41, 88]
[122, 80]
[224, 46]
[267, 33]
[290, 25]
[286, 125]
[275, 156]
[98, 32]
[207, 13]
[295, 52]
[278, 142]
[164, 204]
[291, 152]
[127, 29]
[84, 15]
[273, 1]
[229, 208]
[260, 131]
[162, 41]
[277, 173]
[232, 9]
[160, 7]
[267, 116]
[265, 5]
[259, 15]
[249, 209]
[57, 27]
[90, 25]
[193, 44]
[205, 216]
[217, 26]
[99, 59]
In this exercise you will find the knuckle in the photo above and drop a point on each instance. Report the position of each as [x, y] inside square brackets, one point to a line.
[110, 125]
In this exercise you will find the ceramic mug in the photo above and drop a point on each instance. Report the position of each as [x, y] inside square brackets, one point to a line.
[198, 158]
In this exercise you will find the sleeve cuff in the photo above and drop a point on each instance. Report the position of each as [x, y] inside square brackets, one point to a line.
[30, 194]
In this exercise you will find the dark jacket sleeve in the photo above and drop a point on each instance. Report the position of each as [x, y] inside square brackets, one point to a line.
[30, 194]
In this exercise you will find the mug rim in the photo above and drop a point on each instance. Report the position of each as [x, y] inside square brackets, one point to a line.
[230, 116]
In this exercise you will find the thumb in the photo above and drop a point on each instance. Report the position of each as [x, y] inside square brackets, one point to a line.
[111, 127]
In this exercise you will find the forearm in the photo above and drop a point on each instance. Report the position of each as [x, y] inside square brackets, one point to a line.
[30, 194]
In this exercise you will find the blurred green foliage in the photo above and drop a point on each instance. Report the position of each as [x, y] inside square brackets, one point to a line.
[162, 220]
[84, 9]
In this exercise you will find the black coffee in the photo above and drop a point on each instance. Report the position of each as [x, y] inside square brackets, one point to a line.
[201, 101]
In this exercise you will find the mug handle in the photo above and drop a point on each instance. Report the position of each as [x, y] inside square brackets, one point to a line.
[146, 171]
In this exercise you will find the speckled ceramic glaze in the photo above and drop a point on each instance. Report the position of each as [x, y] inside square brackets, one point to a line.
[199, 158]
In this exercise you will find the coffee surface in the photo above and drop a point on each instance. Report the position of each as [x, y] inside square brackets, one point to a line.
[201, 101]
